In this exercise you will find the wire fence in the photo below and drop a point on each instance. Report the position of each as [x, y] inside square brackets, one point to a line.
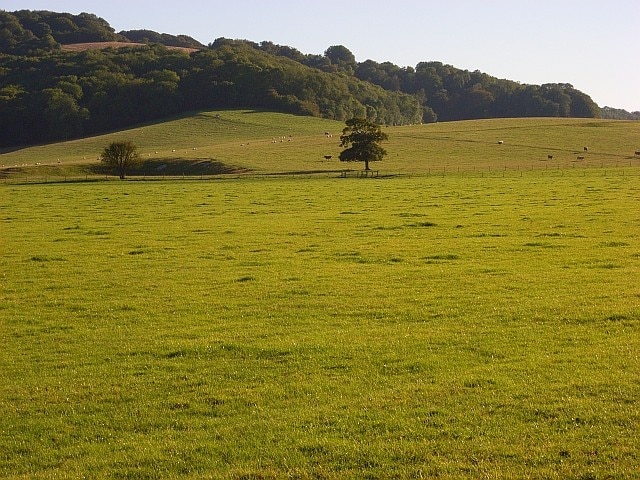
[631, 169]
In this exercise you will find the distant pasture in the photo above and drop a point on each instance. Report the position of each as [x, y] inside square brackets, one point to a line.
[267, 143]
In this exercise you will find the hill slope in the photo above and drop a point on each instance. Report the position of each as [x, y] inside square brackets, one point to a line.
[48, 94]
[254, 142]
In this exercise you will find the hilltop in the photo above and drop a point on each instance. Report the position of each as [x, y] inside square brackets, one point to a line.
[53, 87]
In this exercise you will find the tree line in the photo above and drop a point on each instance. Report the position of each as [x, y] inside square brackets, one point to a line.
[48, 94]
[448, 93]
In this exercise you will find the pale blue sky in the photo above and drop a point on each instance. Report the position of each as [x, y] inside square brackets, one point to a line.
[592, 44]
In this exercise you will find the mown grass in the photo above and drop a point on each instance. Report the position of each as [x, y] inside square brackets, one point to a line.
[407, 327]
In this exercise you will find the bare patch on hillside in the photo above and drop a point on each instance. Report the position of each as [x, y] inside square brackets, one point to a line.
[81, 47]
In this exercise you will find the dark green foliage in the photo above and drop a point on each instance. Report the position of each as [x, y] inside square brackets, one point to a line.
[120, 156]
[455, 94]
[618, 114]
[149, 36]
[31, 32]
[362, 139]
[342, 58]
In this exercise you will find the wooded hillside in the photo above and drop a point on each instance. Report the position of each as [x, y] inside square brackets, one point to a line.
[48, 94]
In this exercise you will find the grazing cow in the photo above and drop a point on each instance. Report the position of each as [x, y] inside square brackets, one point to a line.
[637, 152]
[327, 157]
[549, 157]
[500, 142]
[586, 149]
[580, 157]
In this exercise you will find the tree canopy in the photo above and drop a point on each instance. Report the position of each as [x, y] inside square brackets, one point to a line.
[362, 139]
[120, 156]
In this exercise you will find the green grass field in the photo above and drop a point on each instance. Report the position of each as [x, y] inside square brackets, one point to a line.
[433, 323]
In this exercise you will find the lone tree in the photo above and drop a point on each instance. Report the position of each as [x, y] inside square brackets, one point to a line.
[120, 156]
[361, 137]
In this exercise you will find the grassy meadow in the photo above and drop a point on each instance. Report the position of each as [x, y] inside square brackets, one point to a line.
[433, 322]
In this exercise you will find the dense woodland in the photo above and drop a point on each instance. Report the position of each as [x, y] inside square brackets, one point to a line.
[47, 93]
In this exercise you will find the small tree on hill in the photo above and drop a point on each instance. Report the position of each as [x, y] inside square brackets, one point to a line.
[362, 138]
[120, 156]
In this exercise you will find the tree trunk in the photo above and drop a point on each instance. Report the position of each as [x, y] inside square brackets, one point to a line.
[366, 165]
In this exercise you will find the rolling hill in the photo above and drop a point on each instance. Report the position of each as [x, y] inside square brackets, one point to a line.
[250, 142]
[54, 87]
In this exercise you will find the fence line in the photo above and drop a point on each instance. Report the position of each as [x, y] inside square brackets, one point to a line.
[632, 169]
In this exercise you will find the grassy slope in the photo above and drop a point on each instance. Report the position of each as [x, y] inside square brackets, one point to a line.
[241, 140]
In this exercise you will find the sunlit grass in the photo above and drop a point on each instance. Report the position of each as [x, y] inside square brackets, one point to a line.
[321, 328]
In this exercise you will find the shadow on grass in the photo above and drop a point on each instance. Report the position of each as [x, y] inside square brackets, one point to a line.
[173, 167]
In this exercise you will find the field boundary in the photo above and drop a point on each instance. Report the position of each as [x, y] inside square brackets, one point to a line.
[631, 170]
